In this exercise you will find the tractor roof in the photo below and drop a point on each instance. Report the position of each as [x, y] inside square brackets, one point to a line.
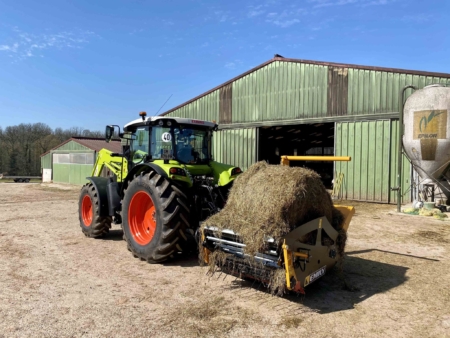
[180, 120]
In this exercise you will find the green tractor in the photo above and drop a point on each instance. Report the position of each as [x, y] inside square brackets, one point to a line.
[162, 185]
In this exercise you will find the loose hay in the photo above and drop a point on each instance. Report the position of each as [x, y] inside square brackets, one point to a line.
[440, 215]
[426, 212]
[411, 211]
[272, 200]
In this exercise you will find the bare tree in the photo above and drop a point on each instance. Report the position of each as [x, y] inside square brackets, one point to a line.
[22, 145]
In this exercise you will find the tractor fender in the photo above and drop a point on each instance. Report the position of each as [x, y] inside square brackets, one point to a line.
[100, 184]
[142, 168]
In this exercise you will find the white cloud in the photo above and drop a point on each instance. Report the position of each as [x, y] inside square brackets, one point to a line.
[25, 43]
[362, 3]
[254, 13]
[420, 18]
[286, 18]
[230, 65]
[233, 64]
[10, 48]
[136, 31]
[285, 23]
[223, 16]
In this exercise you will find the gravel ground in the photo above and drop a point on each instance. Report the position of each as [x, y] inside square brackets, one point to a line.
[57, 283]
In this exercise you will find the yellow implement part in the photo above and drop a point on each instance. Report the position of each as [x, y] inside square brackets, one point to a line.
[289, 267]
[348, 213]
[301, 255]
[286, 158]
[206, 252]
[117, 165]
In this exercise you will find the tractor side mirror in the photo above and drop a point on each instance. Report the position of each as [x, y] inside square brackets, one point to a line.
[109, 132]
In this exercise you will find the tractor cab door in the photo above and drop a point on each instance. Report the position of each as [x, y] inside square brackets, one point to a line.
[139, 147]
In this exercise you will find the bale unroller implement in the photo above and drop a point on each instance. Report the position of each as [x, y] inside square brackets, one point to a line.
[298, 257]
[302, 263]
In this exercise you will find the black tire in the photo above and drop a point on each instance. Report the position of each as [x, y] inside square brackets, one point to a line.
[169, 211]
[91, 223]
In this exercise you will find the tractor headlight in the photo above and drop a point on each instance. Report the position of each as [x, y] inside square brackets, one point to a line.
[177, 171]
[236, 171]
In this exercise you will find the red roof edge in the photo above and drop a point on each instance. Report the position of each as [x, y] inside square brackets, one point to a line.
[74, 138]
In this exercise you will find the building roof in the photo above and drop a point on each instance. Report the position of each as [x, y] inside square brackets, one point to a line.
[92, 143]
[320, 63]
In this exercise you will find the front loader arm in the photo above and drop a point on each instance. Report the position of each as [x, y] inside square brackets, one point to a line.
[117, 164]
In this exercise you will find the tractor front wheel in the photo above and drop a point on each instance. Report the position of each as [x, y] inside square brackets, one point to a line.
[91, 223]
[155, 217]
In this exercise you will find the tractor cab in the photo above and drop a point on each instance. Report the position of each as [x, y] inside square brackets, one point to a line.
[185, 141]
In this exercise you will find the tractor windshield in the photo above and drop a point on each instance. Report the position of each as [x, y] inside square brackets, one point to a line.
[183, 143]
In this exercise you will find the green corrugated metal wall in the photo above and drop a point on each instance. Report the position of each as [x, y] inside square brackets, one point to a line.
[71, 173]
[372, 92]
[373, 168]
[206, 108]
[293, 90]
[236, 147]
[67, 173]
[46, 161]
[281, 91]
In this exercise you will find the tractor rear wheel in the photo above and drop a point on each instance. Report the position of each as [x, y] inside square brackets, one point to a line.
[91, 223]
[155, 217]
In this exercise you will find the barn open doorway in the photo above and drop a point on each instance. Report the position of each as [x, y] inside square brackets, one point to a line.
[301, 139]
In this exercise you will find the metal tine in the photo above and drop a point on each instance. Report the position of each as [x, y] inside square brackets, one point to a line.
[259, 287]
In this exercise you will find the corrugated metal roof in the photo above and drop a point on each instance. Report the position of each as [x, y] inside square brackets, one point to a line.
[92, 143]
[98, 143]
[310, 62]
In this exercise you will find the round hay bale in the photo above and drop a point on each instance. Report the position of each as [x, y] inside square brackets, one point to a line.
[271, 200]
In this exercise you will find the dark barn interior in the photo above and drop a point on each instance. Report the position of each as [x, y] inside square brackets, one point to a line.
[302, 139]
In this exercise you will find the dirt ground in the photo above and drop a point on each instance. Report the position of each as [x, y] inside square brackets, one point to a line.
[57, 283]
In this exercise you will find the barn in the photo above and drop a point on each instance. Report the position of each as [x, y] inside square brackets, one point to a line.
[72, 161]
[302, 107]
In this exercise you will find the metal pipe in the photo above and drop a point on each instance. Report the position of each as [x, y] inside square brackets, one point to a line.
[400, 146]
[316, 158]
[214, 239]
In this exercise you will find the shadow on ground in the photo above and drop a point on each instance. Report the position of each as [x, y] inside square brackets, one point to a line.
[184, 260]
[114, 235]
[362, 278]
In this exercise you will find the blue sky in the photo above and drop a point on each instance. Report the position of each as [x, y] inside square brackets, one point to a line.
[91, 63]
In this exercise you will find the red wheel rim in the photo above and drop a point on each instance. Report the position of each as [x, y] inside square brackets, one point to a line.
[141, 218]
[86, 210]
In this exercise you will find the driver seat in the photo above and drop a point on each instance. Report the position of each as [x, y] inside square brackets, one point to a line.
[185, 154]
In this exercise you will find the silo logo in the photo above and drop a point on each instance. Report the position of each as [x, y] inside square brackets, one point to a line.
[430, 124]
